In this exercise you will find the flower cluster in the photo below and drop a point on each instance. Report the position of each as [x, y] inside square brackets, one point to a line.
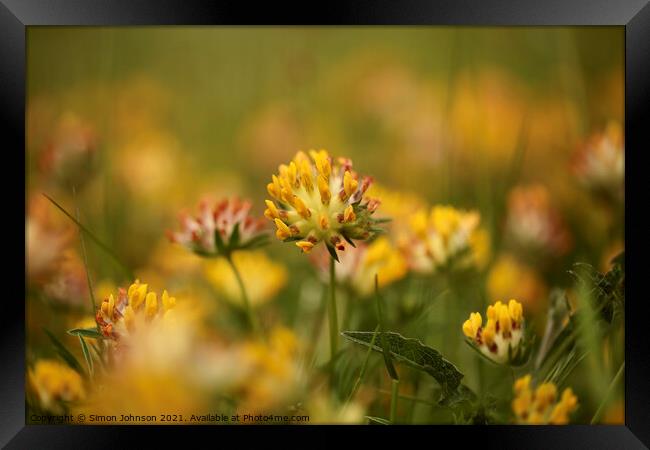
[599, 163]
[317, 201]
[117, 317]
[221, 229]
[542, 406]
[532, 223]
[262, 277]
[443, 237]
[54, 383]
[501, 337]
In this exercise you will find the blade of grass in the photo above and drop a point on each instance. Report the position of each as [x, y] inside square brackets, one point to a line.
[87, 356]
[93, 303]
[94, 238]
[607, 395]
[63, 352]
[364, 367]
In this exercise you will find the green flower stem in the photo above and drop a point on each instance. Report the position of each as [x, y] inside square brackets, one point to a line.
[333, 316]
[393, 399]
[252, 320]
[608, 394]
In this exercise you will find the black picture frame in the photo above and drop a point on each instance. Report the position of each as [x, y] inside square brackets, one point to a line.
[633, 15]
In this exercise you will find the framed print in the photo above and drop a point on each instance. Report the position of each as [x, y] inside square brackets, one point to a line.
[411, 217]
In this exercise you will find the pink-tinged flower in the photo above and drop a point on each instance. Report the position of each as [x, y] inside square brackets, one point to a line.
[599, 162]
[220, 229]
[46, 240]
[533, 223]
[69, 154]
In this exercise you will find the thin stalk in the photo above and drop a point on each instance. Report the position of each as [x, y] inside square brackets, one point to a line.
[252, 320]
[333, 316]
[394, 394]
[608, 394]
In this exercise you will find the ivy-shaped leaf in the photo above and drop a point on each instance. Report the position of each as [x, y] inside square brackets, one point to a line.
[415, 354]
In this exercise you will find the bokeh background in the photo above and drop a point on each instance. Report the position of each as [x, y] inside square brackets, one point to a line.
[478, 118]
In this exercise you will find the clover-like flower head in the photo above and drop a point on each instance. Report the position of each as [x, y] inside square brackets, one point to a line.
[501, 338]
[316, 200]
[221, 229]
[445, 237]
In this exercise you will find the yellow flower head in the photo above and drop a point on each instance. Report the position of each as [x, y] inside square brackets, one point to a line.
[501, 335]
[220, 229]
[121, 314]
[542, 406]
[54, 383]
[316, 200]
[262, 277]
[444, 236]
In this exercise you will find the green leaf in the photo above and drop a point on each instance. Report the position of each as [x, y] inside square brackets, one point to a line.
[86, 332]
[377, 420]
[63, 352]
[87, 356]
[234, 237]
[415, 354]
[332, 252]
[218, 240]
[349, 241]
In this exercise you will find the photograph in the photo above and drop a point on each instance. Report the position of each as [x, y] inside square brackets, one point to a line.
[291, 225]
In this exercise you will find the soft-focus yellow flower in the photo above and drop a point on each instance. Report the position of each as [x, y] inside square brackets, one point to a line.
[54, 383]
[502, 332]
[445, 236]
[322, 410]
[320, 201]
[359, 265]
[542, 406]
[262, 277]
[599, 163]
[509, 277]
[120, 315]
[273, 377]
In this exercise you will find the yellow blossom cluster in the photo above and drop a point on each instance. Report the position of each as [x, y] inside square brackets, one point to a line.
[119, 316]
[542, 406]
[316, 200]
[501, 335]
[54, 383]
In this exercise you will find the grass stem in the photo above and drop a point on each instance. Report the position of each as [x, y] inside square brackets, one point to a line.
[333, 316]
[393, 399]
